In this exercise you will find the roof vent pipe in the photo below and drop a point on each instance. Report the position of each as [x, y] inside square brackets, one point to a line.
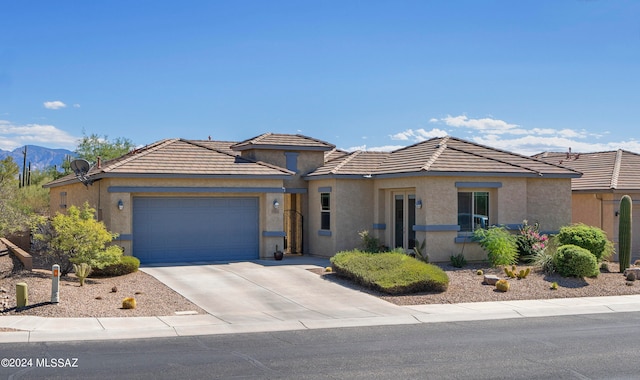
[99, 164]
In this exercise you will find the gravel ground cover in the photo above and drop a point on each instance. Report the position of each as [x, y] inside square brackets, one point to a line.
[98, 299]
[465, 285]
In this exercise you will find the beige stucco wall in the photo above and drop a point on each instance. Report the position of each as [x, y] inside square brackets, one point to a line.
[547, 201]
[76, 194]
[357, 204]
[320, 245]
[588, 208]
[307, 161]
[121, 222]
[352, 205]
[353, 212]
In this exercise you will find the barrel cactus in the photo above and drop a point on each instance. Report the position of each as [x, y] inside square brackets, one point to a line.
[129, 303]
[502, 285]
[624, 233]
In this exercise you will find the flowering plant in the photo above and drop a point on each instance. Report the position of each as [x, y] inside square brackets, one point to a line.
[530, 241]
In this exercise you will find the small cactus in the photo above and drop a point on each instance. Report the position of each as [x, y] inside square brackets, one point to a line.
[328, 269]
[502, 285]
[554, 286]
[82, 271]
[479, 272]
[129, 303]
[514, 273]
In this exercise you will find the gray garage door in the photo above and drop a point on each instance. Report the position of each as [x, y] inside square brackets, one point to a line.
[170, 230]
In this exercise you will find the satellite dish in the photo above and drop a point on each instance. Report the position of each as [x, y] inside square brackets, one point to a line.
[80, 168]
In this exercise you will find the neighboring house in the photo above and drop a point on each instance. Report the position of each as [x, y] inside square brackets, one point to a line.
[195, 201]
[607, 176]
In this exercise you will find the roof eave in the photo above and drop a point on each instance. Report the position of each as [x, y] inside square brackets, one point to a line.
[191, 176]
[436, 174]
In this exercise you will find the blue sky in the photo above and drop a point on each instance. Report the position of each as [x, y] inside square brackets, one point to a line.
[525, 76]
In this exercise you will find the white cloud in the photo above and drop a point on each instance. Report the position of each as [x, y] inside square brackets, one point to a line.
[516, 138]
[534, 144]
[76, 105]
[485, 124]
[418, 134]
[54, 105]
[13, 136]
[383, 148]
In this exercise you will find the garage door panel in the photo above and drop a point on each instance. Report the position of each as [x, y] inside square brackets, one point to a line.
[195, 229]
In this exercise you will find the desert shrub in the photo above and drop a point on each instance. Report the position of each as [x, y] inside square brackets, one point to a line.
[126, 265]
[574, 261]
[499, 243]
[590, 238]
[530, 241]
[458, 260]
[370, 243]
[76, 237]
[390, 272]
[420, 251]
[544, 259]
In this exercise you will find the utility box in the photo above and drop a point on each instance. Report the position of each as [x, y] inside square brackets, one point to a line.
[22, 295]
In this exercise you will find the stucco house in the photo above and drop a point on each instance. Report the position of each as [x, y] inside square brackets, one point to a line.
[181, 200]
[607, 176]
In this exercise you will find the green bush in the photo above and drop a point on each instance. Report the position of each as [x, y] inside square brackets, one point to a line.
[501, 246]
[74, 238]
[127, 264]
[458, 260]
[590, 238]
[370, 243]
[574, 261]
[390, 272]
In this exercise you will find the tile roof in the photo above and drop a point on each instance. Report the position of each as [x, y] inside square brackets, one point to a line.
[223, 146]
[181, 158]
[610, 170]
[283, 141]
[359, 163]
[333, 154]
[446, 155]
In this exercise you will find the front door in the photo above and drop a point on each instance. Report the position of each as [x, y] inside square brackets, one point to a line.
[404, 214]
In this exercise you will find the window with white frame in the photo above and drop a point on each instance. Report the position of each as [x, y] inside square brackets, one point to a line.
[473, 210]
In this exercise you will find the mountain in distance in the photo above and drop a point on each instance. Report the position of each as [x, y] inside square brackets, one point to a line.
[39, 157]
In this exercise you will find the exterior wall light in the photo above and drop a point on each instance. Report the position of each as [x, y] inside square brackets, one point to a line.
[120, 205]
[276, 204]
[419, 203]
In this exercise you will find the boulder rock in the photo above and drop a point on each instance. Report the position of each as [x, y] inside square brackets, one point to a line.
[635, 270]
[490, 279]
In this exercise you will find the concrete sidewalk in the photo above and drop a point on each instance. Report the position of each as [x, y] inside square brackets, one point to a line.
[313, 303]
[38, 329]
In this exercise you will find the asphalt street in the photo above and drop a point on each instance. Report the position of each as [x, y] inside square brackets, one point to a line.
[588, 346]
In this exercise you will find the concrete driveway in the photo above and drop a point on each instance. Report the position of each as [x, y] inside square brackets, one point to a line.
[263, 291]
